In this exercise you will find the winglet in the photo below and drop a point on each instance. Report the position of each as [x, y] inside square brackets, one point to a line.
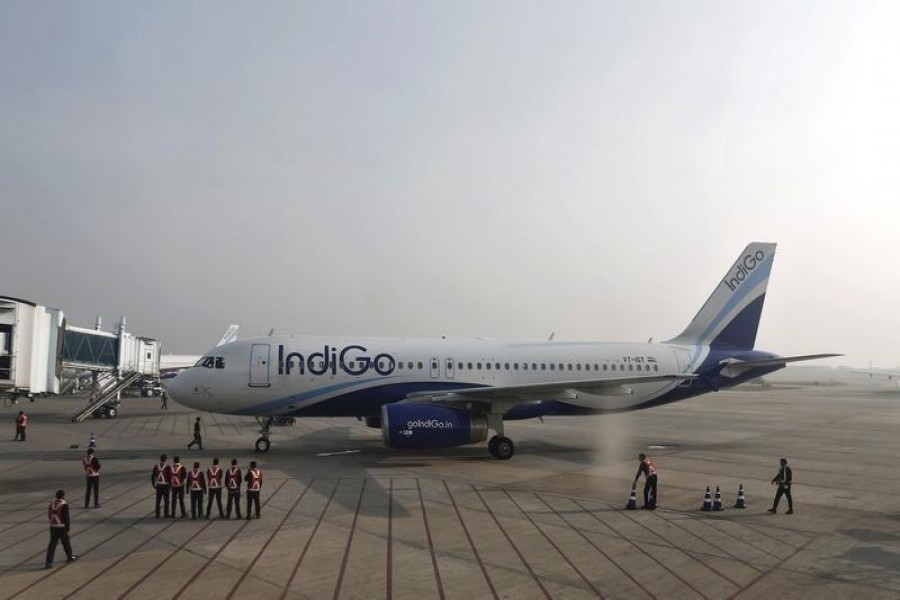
[730, 317]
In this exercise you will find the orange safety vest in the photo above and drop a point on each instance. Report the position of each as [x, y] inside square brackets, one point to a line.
[161, 474]
[54, 513]
[233, 481]
[89, 470]
[214, 476]
[255, 480]
[177, 475]
[195, 478]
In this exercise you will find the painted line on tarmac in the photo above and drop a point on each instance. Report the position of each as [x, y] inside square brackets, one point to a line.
[471, 542]
[340, 579]
[434, 563]
[555, 547]
[268, 541]
[511, 543]
[593, 544]
[287, 586]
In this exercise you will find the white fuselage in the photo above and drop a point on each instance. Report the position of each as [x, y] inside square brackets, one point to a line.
[325, 376]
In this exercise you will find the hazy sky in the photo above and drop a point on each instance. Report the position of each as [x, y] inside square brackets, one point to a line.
[493, 168]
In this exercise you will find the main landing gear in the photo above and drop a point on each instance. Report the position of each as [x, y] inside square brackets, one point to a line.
[499, 446]
[262, 444]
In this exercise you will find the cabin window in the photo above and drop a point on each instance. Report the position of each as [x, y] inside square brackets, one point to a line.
[543, 366]
[459, 366]
[534, 366]
[506, 366]
[420, 365]
[479, 366]
[570, 366]
[488, 365]
[552, 367]
[469, 366]
[515, 366]
[578, 367]
[656, 367]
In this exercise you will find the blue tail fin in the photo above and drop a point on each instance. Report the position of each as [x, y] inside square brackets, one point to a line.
[730, 317]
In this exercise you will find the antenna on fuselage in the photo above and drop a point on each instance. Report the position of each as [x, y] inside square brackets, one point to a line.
[550, 339]
[271, 331]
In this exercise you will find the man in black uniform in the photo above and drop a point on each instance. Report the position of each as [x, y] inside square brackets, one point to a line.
[649, 471]
[214, 476]
[197, 439]
[178, 474]
[783, 478]
[92, 478]
[58, 513]
[197, 485]
[160, 479]
[254, 485]
[233, 484]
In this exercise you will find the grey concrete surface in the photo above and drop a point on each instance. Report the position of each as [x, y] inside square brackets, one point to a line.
[379, 523]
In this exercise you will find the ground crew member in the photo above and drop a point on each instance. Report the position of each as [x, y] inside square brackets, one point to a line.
[164, 399]
[160, 479]
[254, 485]
[21, 424]
[197, 484]
[92, 478]
[214, 476]
[177, 474]
[233, 484]
[197, 439]
[649, 471]
[783, 478]
[58, 513]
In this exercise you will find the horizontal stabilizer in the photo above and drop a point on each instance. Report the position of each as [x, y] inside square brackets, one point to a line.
[734, 367]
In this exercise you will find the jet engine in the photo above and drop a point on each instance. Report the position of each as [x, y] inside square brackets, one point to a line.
[430, 426]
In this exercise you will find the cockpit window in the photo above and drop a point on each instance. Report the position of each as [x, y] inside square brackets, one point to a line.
[220, 362]
[208, 362]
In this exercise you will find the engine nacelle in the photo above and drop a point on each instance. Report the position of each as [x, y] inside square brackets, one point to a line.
[430, 426]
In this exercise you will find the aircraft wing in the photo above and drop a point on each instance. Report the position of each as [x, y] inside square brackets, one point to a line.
[533, 392]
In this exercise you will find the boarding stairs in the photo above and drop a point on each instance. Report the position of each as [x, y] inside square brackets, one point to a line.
[105, 393]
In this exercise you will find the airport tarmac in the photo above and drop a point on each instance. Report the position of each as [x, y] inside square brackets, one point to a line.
[345, 517]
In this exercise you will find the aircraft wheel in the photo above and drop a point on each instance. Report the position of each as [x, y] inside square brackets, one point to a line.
[501, 447]
[262, 444]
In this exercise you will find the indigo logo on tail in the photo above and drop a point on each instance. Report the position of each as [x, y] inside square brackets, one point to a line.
[744, 268]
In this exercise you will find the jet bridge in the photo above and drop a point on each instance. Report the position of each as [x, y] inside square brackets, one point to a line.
[41, 354]
[115, 361]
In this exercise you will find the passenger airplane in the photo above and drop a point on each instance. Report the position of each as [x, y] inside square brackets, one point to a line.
[442, 393]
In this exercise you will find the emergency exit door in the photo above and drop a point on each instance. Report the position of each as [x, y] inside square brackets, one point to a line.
[259, 365]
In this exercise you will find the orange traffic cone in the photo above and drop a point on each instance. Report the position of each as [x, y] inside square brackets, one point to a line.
[632, 501]
[707, 502]
[741, 501]
[717, 504]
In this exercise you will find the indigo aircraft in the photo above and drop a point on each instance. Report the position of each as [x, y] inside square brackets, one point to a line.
[432, 393]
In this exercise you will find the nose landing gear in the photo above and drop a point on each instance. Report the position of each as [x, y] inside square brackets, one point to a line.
[262, 444]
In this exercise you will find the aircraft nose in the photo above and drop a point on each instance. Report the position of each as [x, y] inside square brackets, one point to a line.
[175, 386]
